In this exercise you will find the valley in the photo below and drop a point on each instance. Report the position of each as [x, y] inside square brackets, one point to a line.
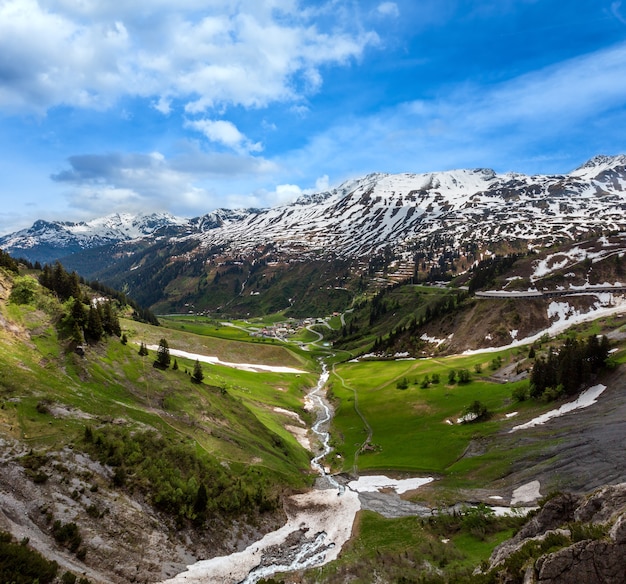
[380, 379]
[401, 417]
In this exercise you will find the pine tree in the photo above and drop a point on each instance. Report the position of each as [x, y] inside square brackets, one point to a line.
[78, 312]
[198, 375]
[93, 328]
[163, 355]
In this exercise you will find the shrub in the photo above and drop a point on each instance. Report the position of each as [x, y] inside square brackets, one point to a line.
[475, 412]
[23, 291]
[402, 383]
[464, 376]
[67, 534]
[68, 578]
[520, 394]
[21, 565]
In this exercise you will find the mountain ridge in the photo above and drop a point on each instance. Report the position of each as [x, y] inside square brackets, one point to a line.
[362, 216]
[324, 249]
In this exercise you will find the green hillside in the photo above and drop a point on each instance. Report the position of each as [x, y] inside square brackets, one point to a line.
[202, 455]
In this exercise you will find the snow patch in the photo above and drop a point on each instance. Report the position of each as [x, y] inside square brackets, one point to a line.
[434, 340]
[527, 493]
[255, 368]
[371, 484]
[584, 400]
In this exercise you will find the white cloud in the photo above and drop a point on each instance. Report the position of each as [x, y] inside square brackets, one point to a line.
[507, 125]
[389, 9]
[225, 133]
[163, 105]
[192, 183]
[322, 183]
[616, 11]
[89, 54]
[285, 194]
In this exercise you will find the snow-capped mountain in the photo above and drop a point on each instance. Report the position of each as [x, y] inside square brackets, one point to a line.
[361, 217]
[403, 210]
[49, 240]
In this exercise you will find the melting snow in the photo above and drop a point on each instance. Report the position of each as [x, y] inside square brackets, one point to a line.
[565, 316]
[369, 484]
[584, 400]
[526, 493]
[255, 368]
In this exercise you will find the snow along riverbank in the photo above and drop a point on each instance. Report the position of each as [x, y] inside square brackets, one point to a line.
[319, 522]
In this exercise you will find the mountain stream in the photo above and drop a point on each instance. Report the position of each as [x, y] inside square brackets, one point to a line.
[318, 522]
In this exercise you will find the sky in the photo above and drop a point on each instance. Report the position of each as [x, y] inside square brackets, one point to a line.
[191, 105]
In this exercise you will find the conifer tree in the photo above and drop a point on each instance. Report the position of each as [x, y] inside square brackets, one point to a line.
[163, 355]
[197, 375]
[93, 328]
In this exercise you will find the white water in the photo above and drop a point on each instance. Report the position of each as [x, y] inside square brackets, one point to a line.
[319, 404]
[319, 523]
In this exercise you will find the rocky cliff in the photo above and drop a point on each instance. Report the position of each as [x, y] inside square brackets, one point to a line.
[579, 539]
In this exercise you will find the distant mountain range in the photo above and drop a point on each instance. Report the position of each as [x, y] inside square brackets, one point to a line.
[404, 218]
[362, 216]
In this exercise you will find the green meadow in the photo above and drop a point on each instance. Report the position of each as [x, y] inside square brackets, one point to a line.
[415, 428]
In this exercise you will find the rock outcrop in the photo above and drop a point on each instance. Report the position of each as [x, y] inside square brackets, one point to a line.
[571, 539]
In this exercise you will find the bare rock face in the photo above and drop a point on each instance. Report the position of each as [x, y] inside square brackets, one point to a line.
[591, 533]
[555, 513]
[586, 562]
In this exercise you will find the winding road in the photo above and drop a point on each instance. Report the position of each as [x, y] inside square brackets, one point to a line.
[549, 293]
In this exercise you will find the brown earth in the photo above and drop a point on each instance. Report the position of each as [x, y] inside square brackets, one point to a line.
[124, 538]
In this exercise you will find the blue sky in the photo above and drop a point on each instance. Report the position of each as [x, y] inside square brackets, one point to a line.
[192, 105]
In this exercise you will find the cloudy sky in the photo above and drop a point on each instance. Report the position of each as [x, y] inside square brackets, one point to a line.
[189, 105]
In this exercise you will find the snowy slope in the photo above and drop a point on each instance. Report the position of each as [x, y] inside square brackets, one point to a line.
[49, 239]
[361, 217]
[403, 211]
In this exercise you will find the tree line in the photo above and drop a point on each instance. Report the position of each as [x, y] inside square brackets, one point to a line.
[565, 371]
[67, 285]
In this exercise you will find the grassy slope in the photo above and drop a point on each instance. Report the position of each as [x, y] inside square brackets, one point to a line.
[410, 427]
[113, 381]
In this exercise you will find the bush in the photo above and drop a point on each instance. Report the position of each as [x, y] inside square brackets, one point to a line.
[23, 291]
[67, 534]
[21, 565]
[402, 383]
[464, 376]
[478, 520]
[476, 412]
[68, 578]
[520, 394]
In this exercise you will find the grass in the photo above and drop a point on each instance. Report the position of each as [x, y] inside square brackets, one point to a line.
[47, 396]
[415, 429]
[227, 350]
[395, 548]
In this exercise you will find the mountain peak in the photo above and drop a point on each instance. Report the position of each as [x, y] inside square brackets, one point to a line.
[598, 164]
[365, 215]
